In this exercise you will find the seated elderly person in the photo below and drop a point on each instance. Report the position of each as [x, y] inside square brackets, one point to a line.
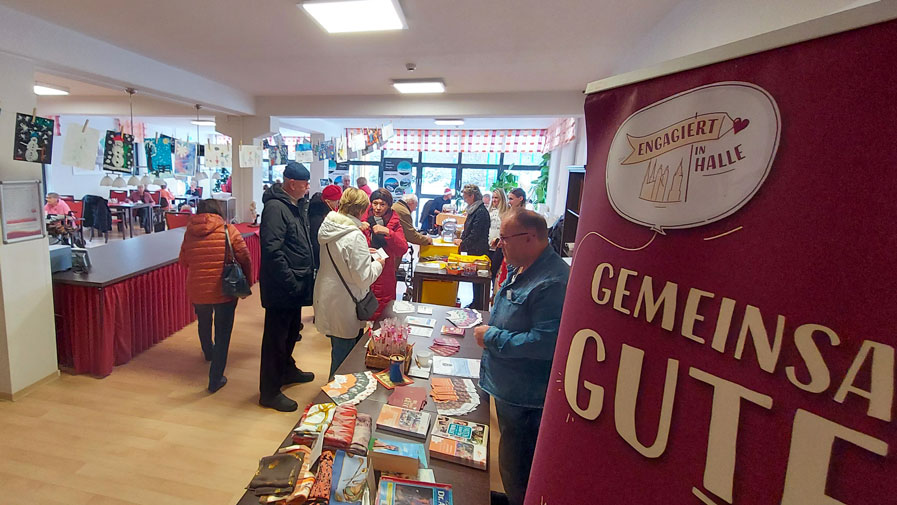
[55, 205]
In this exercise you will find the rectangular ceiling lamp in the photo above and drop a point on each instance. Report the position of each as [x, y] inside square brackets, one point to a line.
[347, 16]
[48, 90]
[449, 122]
[419, 85]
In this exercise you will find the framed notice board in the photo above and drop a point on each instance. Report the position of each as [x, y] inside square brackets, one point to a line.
[21, 211]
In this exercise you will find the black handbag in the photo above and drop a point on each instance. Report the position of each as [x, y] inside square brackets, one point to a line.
[233, 281]
[364, 308]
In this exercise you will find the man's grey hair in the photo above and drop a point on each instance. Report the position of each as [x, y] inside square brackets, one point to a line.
[409, 197]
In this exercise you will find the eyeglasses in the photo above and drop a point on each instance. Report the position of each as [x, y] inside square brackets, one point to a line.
[505, 239]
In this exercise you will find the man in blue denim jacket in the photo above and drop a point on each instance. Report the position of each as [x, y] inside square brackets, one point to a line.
[518, 344]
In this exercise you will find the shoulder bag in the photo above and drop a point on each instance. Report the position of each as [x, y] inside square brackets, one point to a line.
[233, 281]
[364, 308]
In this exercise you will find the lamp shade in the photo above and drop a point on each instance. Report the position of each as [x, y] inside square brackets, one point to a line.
[133, 181]
[120, 182]
[201, 176]
[158, 181]
[147, 180]
[216, 176]
[106, 180]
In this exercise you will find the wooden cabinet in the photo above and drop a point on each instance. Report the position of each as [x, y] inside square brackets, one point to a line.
[575, 181]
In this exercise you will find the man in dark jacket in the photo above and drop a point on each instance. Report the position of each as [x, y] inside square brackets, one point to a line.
[320, 205]
[286, 280]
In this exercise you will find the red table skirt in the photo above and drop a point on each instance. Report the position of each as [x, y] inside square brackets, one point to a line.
[99, 328]
[255, 254]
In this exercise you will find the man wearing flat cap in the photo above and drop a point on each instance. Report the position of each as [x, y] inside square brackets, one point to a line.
[287, 282]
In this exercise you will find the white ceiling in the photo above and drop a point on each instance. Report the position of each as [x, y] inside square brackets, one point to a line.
[274, 48]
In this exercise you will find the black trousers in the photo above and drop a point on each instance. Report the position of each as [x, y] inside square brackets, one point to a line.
[519, 428]
[281, 334]
[223, 316]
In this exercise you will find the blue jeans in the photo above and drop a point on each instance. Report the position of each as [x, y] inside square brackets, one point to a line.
[519, 428]
[339, 349]
[216, 352]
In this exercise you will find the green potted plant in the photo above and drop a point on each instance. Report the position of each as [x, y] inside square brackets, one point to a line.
[539, 189]
[506, 181]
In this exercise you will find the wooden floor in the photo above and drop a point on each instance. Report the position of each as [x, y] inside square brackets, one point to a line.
[150, 433]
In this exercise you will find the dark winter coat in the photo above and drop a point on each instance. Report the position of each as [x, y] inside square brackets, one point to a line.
[475, 237]
[317, 211]
[287, 273]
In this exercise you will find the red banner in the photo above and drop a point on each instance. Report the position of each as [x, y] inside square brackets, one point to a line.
[729, 329]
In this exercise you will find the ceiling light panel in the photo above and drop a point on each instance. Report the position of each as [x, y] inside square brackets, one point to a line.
[419, 85]
[48, 90]
[449, 122]
[348, 16]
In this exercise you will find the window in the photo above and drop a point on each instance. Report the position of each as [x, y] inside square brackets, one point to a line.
[482, 177]
[435, 157]
[434, 180]
[532, 159]
[525, 180]
[368, 171]
[372, 156]
[401, 154]
[481, 158]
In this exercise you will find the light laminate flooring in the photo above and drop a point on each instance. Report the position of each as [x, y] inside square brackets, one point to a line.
[150, 433]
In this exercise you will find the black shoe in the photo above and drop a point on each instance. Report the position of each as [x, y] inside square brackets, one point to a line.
[279, 402]
[497, 498]
[297, 376]
[218, 386]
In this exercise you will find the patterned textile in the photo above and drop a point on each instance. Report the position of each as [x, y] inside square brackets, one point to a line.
[320, 492]
[362, 436]
[339, 434]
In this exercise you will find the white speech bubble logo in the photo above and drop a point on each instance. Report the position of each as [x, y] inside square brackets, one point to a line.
[695, 157]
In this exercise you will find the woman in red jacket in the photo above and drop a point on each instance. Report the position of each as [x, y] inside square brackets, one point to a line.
[383, 229]
[203, 254]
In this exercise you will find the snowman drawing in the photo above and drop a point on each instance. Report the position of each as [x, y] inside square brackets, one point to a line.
[118, 154]
[31, 150]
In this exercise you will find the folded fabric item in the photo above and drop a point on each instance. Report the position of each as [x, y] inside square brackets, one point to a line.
[362, 436]
[278, 472]
[320, 492]
[353, 472]
[342, 427]
[315, 421]
[305, 481]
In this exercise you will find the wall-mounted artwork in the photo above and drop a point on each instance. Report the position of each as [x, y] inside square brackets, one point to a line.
[250, 156]
[118, 152]
[158, 153]
[304, 153]
[34, 139]
[218, 156]
[278, 154]
[184, 158]
[79, 149]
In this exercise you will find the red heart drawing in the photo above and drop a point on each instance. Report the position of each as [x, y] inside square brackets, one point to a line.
[740, 124]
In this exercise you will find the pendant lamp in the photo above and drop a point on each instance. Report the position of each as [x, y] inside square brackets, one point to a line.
[119, 182]
[106, 181]
[147, 180]
[133, 181]
[216, 176]
[201, 176]
[158, 181]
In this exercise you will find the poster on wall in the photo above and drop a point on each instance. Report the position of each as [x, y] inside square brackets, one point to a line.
[278, 154]
[33, 139]
[304, 153]
[250, 156]
[79, 148]
[218, 156]
[118, 152]
[398, 178]
[158, 153]
[342, 153]
[21, 211]
[728, 328]
[184, 158]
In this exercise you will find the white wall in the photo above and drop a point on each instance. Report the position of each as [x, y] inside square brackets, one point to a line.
[697, 25]
[27, 327]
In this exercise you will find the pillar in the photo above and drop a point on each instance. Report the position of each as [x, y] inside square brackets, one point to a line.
[27, 326]
[246, 183]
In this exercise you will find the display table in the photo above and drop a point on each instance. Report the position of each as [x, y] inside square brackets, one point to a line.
[251, 237]
[420, 280]
[469, 485]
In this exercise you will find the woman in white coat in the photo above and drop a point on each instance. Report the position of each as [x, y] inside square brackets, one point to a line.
[343, 247]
